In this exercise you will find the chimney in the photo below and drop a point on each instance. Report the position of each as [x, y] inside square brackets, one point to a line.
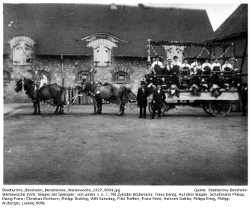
[113, 7]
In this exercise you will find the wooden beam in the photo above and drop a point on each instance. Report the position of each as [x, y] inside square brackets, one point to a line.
[62, 71]
[243, 58]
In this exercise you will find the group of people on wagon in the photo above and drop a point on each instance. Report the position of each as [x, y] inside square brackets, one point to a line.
[169, 67]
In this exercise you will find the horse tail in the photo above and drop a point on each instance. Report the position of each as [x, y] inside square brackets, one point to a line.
[127, 94]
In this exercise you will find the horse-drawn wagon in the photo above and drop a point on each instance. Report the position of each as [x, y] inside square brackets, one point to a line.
[213, 90]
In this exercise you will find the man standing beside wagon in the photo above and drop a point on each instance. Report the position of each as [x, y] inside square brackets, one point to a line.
[157, 101]
[142, 95]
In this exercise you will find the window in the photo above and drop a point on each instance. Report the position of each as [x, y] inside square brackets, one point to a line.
[121, 77]
[82, 76]
[21, 54]
[22, 48]
[102, 56]
[102, 47]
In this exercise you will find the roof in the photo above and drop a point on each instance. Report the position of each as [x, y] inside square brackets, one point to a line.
[57, 28]
[235, 25]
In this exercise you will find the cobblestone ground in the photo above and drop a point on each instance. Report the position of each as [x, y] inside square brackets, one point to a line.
[185, 147]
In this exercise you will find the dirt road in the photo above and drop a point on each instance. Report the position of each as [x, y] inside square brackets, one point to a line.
[185, 147]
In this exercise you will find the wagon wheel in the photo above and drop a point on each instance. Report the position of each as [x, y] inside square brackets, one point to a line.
[220, 108]
[206, 108]
[163, 109]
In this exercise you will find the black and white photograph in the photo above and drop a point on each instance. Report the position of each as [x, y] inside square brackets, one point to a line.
[124, 101]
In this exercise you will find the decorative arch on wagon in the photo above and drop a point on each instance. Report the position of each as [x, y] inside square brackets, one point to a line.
[22, 49]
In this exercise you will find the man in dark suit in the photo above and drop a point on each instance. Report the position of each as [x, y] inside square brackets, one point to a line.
[142, 95]
[157, 102]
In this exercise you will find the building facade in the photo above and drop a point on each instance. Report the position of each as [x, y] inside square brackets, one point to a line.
[75, 42]
[235, 32]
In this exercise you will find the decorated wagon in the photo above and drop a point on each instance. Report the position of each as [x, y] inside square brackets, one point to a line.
[214, 90]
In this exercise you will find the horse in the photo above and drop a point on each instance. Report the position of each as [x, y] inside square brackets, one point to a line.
[110, 92]
[45, 93]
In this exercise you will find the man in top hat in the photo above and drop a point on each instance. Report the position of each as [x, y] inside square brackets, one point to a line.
[157, 101]
[157, 66]
[142, 95]
[176, 65]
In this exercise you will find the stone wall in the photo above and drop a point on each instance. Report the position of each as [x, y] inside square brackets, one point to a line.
[66, 68]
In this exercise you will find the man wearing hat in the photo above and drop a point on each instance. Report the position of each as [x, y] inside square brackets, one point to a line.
[142, 95]
[157, 101]
[176, 66]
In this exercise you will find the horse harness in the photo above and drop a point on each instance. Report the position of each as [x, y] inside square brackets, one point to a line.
[93, 87]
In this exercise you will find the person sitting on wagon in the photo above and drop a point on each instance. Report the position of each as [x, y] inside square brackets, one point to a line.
[206, 67]
[166, 70]
[169, 65]
[195, 66]
[216, 66]
[157, 66]
[227, 67]
[185, 67]
[176, 66]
